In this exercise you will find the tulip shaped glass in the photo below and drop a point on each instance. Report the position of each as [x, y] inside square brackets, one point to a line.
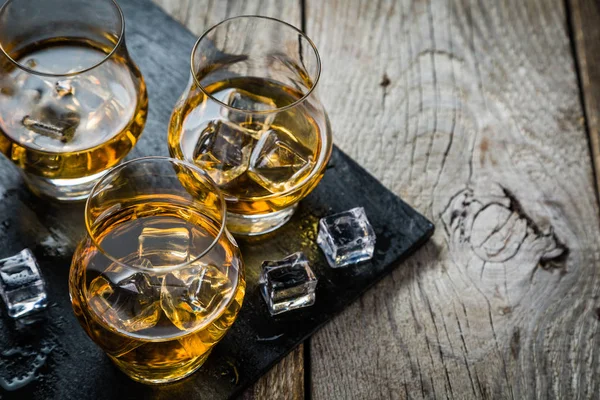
[250, 117]
[72, 102]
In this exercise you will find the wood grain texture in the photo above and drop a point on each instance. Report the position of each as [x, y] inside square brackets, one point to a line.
[286, 379]
[585, 29]
[199, 15]
[470, 111]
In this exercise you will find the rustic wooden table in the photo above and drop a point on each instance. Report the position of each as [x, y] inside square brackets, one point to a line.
[483, 116]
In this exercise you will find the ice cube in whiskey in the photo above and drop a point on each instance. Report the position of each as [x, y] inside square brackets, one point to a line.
[126, 298]
[223, 151]
[191, 296]
[279, 162]
[255, 117]
[164, 246]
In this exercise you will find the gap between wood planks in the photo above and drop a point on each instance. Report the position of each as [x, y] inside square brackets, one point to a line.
[478, 124]
[306, 371]
[287, 379]
[583, 24]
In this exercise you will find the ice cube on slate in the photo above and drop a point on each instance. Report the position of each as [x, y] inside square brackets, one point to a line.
[279, 162]
[125, 298]
[288, 284]
[346, 238]
[223, 151]
[21, 284]
[252, 123]
[164, 246]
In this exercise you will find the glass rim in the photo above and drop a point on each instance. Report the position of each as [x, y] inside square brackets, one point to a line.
[259, 112]
[185, 164]
[74, 73]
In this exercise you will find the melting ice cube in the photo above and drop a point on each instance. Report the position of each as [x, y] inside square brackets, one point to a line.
[164, 246]
[252, 123]
[223, 151]
[92, 96]
[288, 284]
[190, 296]
[346, 238]
[24, 81]
[125, 298]
[278, 162]
[52, 122]
[26, 90]
[21, 284]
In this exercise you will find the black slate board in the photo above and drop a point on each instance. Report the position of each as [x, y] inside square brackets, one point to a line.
[70, 366]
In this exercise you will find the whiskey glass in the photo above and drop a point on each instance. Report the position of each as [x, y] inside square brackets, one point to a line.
[158, 280]
[72, 102]
[250, 117]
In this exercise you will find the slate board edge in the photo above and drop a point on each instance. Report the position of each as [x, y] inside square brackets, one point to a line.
[403, 257]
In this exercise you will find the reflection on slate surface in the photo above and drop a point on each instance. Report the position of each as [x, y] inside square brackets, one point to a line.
[65, 364]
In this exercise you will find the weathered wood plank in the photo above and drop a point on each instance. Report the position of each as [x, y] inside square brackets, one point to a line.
[199, 15]
[470, 111]
[585, 25]
[286, 379]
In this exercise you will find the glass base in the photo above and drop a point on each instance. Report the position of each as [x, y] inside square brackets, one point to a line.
[258, 224]
[63, 189]
[163, 374]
